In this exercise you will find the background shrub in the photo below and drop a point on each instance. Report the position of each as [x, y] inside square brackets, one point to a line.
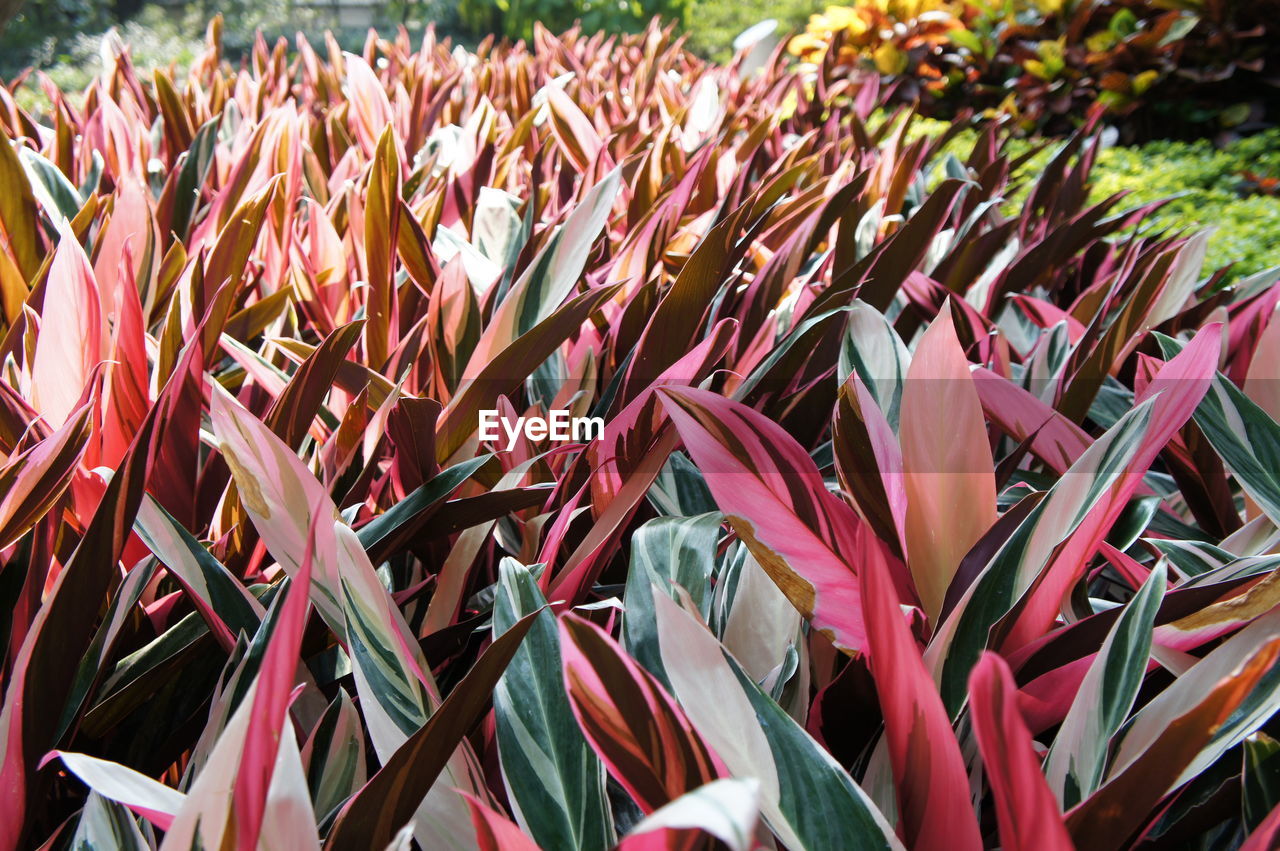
[1165, 67]
[1203, 186]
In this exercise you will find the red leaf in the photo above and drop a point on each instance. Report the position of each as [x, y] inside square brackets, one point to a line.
[496, 832]
[928, 768]
[635, 727]
[1025, 807]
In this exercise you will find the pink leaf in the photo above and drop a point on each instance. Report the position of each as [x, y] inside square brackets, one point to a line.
[496, 832]
[775, 499]
[1178, 387]
[928, 768]
[637, 729]
[946, 462]
[70, 342]
[271, 700]
[1055, 439]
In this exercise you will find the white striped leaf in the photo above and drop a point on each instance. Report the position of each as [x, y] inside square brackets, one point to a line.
[1077, 761]
[1245, 437]
[667, 552]
[555, 781]
[808, 800]
[1015, 566]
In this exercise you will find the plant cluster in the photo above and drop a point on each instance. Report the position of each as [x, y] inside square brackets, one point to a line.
[1159, 67]
[917, 521]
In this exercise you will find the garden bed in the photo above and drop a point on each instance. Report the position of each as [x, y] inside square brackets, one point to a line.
[581, 444]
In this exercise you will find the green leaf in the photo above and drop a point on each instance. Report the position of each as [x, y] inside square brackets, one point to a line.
[106, 824]
[400, 520]
[665, 553]
[221, 599]
[1077, 761]
[554, 780]
[1191, 558]
[680, 489]
[809, 801]
[1218, 668]
[549, 279]
[1180, 29]
[195, 169]
[336, 769]
[50, 185]
[95, 658]
[873, 349]
[1261, 778]
[396, 688]
[391, 797]
[1012, 571]
[1123, 23]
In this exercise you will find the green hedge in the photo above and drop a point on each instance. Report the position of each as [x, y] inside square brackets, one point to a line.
[1207, 183]
[712, 25]
[1204, 182]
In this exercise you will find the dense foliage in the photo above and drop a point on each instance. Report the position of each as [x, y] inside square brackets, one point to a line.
[1228, 191]
[922, 517]
[1207, 187]
[1166, 67]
